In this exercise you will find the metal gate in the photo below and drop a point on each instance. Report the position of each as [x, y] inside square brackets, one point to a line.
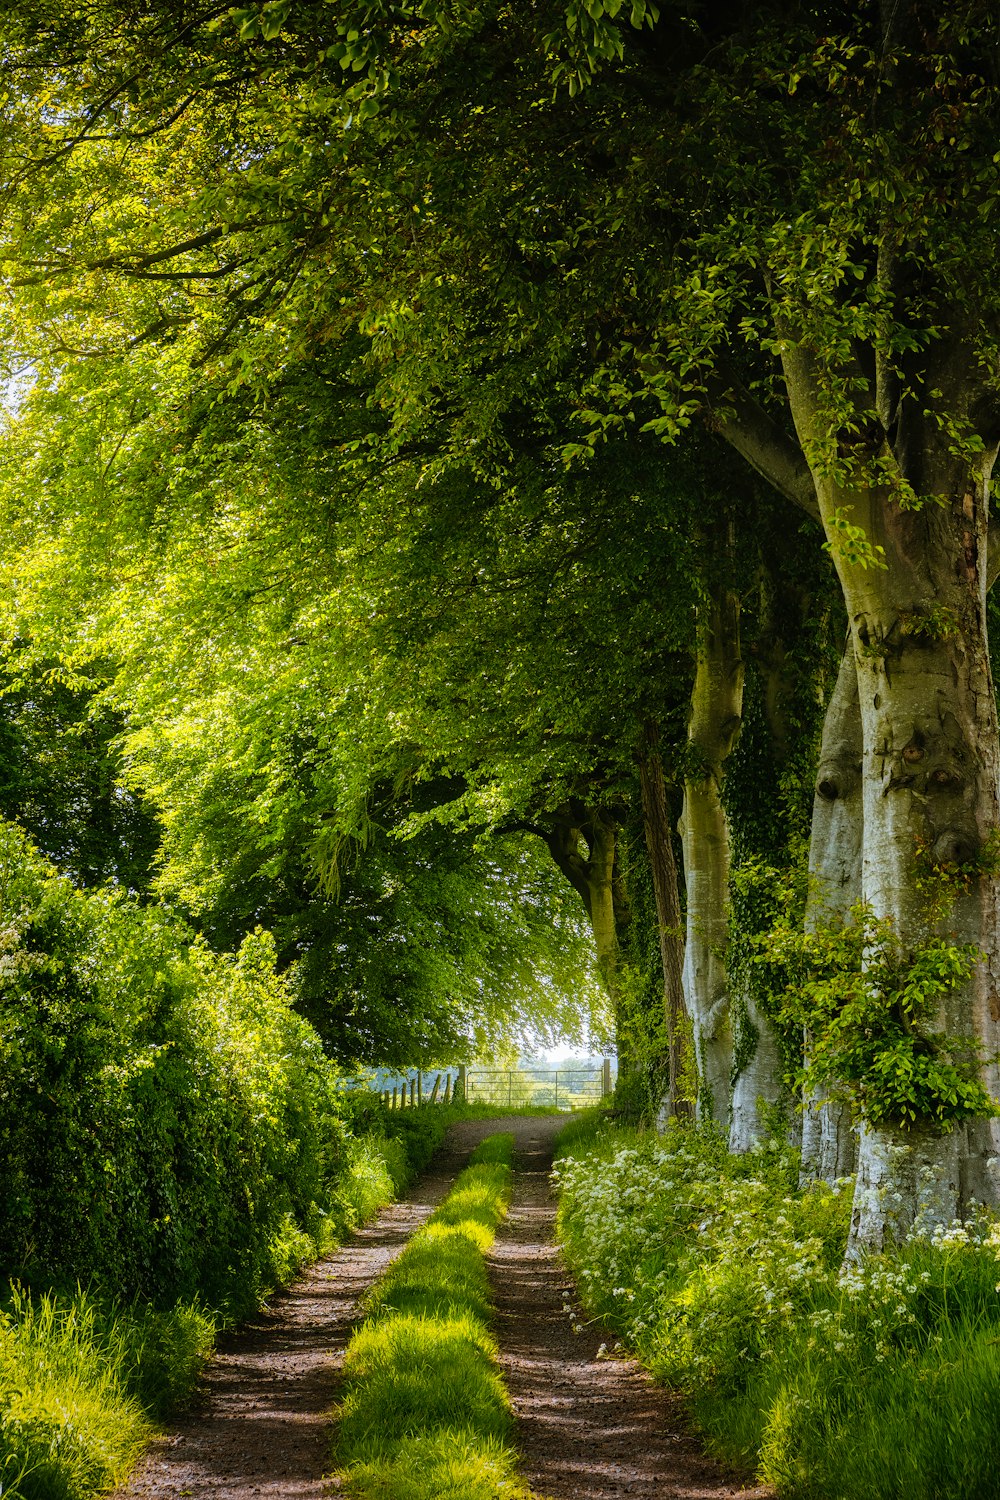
[559, 1088]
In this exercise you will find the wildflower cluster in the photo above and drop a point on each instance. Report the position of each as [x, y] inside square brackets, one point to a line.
[700, 1259]
[728, 1280]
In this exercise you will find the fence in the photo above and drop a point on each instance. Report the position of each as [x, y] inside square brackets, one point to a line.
[402, 1090]
[525, 1088]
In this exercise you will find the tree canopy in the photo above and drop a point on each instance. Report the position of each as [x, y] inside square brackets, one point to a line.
[403, 403]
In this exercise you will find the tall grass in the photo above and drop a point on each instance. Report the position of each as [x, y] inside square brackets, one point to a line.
[424, 1414]
[69, 1426]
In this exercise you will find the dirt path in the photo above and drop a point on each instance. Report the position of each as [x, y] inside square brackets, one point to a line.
[263, 1430]
[588, 1429]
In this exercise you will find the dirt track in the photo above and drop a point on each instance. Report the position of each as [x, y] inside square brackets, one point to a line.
[589, 1429]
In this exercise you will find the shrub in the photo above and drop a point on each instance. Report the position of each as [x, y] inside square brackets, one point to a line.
[168, 1125]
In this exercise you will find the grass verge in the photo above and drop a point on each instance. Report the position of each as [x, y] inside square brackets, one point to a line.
[424, 1415]
[880, 1381]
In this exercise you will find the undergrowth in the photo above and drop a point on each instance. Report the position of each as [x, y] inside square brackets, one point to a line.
[424, 1414]
[878, 1381]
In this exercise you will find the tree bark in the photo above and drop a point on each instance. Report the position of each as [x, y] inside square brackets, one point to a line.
[931, 752]
[760, 1083]
[716, 716]
[828, 1141]
[659, 842]
[583, 842]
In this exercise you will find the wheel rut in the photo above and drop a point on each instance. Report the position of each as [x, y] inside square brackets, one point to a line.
[588, 1428]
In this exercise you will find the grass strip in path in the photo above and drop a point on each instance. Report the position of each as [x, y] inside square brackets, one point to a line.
[424, 1414]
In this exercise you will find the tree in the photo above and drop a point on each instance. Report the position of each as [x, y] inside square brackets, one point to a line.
[751, 220]
[63, 782]
[351, 629]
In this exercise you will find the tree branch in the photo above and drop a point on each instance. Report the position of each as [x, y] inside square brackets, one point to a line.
[741, 420]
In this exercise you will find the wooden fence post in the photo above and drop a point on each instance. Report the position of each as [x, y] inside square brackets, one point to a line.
[461, 1084]
[606, 1078]
[434, 1090]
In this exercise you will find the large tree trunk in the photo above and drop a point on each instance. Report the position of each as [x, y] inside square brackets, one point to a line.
[931, 754]
[659, 842]
[760, 1092]
[828, 1141]
[716, 715]
[758, 1082]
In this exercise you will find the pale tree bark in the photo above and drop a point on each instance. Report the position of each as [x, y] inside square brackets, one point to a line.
[713, 727]
[659, 843]
[757, 1083]
[931, 753]
[828, 1139]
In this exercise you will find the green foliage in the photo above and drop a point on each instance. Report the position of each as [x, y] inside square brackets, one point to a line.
[640, 1013]
[641, 1037]
[62, 779]
[764, 898]
[852, 544]
[412, 1135]
[424, 1410]
[158, 1354]
[876, 1380]
[164, 1115]
[875, 1019]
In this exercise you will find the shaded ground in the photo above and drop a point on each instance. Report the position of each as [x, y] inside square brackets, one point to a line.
[588, 1428]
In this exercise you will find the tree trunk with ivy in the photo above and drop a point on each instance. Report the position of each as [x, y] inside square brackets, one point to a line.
[758, 1087]
[906, 519]
[659, 843]
[774, 761]
[828, 1140]
[713, 727]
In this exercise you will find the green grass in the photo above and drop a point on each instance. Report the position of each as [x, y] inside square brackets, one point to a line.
[69, 1427]
[582, 1129]
[424, 1413]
